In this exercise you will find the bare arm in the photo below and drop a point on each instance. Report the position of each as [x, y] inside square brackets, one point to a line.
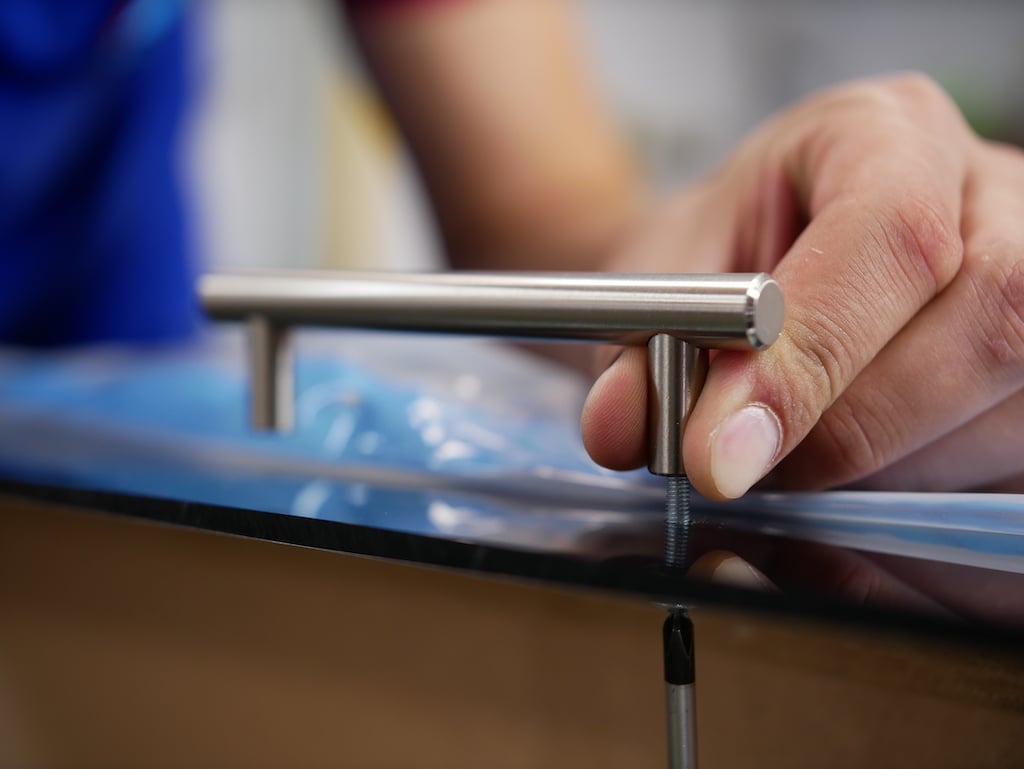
[523, 167]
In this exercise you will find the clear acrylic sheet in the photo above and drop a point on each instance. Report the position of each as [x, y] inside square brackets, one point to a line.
[465, 439]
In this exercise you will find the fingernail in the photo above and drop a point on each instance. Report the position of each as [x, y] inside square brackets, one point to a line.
[735, 572]
[743, 448]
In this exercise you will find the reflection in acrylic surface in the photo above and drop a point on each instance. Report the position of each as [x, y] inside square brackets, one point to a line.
[475, 451]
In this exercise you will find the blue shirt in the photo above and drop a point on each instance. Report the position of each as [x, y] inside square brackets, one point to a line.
[93, 238]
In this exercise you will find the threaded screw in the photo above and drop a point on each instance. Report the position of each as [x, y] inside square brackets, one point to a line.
[677, 521]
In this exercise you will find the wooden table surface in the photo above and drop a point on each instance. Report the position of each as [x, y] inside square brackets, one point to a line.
[128, 644]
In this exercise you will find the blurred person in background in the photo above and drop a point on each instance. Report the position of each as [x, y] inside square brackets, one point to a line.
[896, 233]
[93, 242]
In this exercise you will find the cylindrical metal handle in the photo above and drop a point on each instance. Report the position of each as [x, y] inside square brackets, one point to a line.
[679, 312]
[736, 311]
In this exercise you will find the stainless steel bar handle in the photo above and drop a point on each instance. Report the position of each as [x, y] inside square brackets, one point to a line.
[731, 311]
[741, 311]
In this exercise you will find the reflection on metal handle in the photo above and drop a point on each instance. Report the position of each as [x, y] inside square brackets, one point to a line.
[741, 311]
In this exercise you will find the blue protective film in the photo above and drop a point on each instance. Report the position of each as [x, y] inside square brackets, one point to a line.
[458, 438]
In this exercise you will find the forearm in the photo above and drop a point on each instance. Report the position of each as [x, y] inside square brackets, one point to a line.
[522, 164]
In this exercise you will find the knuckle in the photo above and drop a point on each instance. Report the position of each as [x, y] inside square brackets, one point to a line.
[891, 93]
[922, 239]
[922, 96]
[918, 87]
[856, 437]
[872, 104]
[844, 440]
[869, 101]
[921, 101]
[872, 94]
[997, 276]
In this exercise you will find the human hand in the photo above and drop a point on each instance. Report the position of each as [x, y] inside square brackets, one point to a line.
[897, 236]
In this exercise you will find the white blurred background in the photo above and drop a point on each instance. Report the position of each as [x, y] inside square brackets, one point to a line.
[294, 164]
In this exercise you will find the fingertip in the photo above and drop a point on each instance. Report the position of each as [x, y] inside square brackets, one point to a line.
[744, 448]
[614, 418]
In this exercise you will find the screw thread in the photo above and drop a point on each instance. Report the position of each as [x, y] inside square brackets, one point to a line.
[677, 521]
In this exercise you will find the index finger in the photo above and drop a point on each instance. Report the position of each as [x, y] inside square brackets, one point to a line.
[884, 205]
